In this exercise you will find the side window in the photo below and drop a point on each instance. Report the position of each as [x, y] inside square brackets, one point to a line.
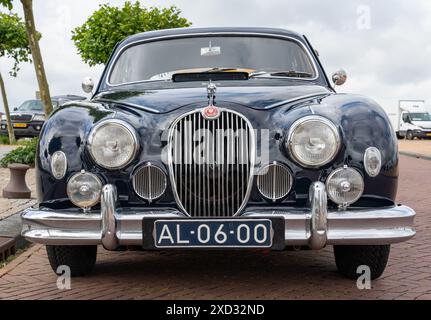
[406, 117]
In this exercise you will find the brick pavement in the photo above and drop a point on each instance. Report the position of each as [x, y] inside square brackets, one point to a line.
[9, 207]
[239, 275]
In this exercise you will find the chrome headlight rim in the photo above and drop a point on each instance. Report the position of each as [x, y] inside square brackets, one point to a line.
[98, 180]
[336, 171]
[124, 124]
[313, 118]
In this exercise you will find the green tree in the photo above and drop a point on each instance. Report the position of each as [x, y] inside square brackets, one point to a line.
[33, 37]
[108, 25]
[14, 45]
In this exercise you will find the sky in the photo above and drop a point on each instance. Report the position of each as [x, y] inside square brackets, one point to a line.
[384, 45]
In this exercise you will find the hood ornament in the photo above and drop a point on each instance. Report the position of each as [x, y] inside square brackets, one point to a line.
[211, 89]
[211, 112]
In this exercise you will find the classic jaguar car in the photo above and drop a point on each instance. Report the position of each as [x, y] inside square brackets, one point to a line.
[218, 138]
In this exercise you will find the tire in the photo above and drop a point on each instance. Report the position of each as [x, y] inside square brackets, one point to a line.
[349, 258]
[409, 135]
[80, 259]
[399, 137]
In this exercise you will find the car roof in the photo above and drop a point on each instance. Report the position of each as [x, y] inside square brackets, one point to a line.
[188, 31]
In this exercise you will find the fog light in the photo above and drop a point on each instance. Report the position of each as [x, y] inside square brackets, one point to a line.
[373, 162]
[84, 190]
[345, 186]
[58, 165]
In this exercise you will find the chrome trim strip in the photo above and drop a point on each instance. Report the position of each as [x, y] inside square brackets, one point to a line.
[208, 34]
[308, 96]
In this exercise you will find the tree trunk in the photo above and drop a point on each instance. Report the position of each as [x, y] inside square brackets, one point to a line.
[37, 56]
[6, 111]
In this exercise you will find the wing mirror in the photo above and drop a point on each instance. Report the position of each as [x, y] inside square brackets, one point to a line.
[88, 85]
[339, 77]
[15, 109]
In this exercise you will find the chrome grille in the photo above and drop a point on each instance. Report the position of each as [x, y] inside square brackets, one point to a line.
[211, 163]
[274, 181]
[149, 182]
[21, 117]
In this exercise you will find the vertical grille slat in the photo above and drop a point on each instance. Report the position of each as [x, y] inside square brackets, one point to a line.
[212, 161]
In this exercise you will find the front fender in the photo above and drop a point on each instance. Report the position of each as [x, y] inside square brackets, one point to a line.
[363, 124]
[66, 130]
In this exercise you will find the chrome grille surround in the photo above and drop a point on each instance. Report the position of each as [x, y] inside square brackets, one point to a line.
[275, 181]
[149, 182]
[218, 189]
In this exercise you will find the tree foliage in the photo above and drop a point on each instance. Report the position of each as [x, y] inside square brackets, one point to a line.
[13, 40]
[7, 3]
[108, 25]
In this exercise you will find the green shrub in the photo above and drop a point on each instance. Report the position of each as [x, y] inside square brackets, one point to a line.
[4, 140]
[25, 154]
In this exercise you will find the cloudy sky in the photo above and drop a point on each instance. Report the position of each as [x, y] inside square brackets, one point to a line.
[384, 45]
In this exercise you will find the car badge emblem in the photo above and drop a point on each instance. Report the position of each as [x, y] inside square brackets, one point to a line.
[211, 113]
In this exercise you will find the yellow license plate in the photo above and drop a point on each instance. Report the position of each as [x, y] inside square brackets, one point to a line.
[20, 125]
[428, 134]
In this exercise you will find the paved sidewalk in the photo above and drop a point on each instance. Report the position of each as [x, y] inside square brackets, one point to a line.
[239, 275]
[9, 207]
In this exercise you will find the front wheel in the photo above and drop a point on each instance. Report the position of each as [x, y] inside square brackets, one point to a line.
[409, 135]
[349, 258]
[80, 259]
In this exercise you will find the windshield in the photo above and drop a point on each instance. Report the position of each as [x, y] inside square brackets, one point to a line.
[161, 59]
[420, 116]
[31, 105]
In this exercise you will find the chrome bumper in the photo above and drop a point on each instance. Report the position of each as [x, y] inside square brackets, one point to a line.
[314, 227]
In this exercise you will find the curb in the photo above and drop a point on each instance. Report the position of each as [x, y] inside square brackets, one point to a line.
[20, 259]
[10, 227]
[415, 155]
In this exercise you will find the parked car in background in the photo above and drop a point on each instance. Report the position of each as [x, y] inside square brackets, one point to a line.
[28, 119]
[218, 138]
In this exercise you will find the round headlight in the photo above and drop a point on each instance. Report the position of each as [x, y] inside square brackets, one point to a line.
[113, 144]
[373, 162]
[313, 141]
[345, 186]
[84, 189]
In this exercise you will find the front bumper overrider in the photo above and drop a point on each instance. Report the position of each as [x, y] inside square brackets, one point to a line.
[315, 227]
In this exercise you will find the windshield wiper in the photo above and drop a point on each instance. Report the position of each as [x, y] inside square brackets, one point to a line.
[287, 74]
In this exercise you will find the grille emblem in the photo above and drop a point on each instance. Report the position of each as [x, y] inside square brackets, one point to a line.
[211, 113]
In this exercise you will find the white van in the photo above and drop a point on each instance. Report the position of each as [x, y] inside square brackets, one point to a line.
[411, 120]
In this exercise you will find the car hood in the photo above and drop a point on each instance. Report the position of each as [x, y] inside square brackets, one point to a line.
[167, 100]
[17, 113]
[423, 124]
